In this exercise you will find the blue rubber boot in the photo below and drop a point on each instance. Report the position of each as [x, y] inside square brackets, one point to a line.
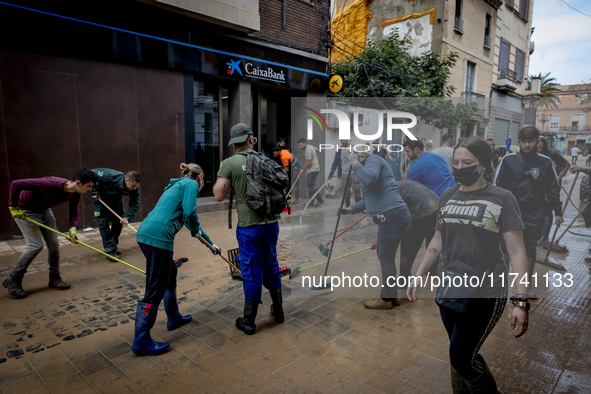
[175, 319]
[144, 321]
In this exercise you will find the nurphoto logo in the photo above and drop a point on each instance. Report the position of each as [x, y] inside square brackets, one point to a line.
[344, 125]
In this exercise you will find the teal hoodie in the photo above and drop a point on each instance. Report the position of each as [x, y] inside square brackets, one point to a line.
[177, 207]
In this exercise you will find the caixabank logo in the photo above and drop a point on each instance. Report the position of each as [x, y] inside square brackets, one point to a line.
[253, 70]
[393, 122]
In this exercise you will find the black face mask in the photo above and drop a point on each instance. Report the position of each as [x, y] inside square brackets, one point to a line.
[467, 176]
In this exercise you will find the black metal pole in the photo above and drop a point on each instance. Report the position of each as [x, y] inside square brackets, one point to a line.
[347, 186]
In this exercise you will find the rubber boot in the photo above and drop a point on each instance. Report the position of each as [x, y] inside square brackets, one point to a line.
[175, 319]
[246, 323]
[277, 307]
[14, 284]
[143, 343]
[55, 281]
[458, 384]
[485, 383]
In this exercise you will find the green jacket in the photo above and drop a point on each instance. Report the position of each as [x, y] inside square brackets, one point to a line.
[175, 208]
[111, 187]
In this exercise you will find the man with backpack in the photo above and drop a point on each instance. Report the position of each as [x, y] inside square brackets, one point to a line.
[258, 183]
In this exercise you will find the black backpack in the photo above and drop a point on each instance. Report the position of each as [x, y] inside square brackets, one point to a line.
[265, 184]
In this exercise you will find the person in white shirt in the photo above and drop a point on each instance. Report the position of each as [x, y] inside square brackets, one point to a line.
[574, 152]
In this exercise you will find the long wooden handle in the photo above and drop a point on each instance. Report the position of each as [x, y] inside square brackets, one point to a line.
[296, 181]
[115, 213]
[573, 222]
[215, 250]
[570, 193]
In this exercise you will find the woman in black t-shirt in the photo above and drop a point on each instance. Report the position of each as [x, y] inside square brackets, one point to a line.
[473, 219]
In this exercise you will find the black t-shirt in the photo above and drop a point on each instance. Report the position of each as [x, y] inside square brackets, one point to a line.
[558, 161]
[472, 231]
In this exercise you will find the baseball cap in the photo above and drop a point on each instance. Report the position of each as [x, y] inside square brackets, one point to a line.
[239, 133]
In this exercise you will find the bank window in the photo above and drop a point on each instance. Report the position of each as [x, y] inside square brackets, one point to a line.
[207, 143]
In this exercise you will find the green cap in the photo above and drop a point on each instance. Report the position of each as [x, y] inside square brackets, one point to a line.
[239, 133]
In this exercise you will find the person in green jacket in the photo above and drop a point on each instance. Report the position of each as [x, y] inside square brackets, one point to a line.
[176, 208]
[110, 188]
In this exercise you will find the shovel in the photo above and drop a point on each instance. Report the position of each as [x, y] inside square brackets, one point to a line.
[215, 250]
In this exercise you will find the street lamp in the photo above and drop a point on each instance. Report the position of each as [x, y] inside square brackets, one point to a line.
[544, 118]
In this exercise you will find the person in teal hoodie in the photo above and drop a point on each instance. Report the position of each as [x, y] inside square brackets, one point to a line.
[176, 208]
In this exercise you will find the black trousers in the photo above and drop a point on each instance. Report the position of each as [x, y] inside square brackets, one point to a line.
[420, 230]
[468, 332]
[160, 273]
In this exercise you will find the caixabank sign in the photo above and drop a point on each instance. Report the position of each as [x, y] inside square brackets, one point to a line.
[256, 71]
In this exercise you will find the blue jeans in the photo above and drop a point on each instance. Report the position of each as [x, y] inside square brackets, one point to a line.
[258, 260]
[34, 237]
[390, 232]
[311, 180]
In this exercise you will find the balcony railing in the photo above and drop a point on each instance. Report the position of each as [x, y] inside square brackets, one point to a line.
[578, 128]
[487, 42]
[459, 26]
[506, 73]
[478, 99]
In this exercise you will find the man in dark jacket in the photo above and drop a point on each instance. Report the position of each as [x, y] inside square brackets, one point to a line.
[531, 178]
[341, 165]
[110, 188]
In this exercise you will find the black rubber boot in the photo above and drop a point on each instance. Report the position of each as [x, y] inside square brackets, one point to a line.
[246, 323]
[458, 384]
[485, 383]
[277, 307]
[55, 281]
[14, 284]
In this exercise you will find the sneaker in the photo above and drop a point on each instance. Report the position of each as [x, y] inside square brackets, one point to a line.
[110, 259]
[318, 204]
[118, 252]
[378, 303]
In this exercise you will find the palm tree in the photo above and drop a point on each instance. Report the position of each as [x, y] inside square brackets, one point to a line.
[549, 86]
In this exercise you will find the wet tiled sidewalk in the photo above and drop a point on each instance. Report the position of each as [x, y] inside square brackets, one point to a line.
[79, 341]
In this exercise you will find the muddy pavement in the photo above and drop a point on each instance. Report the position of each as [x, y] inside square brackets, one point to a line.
[79, 340]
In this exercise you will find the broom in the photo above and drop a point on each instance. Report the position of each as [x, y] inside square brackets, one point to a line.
[324, 247]
[554, 247]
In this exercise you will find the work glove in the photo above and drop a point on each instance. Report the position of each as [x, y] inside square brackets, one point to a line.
[301, 172]
[330, 175]
[344, 211]
[73, 236]
[217, 249]
[201, 234]
[17, 213]
[352, 159]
